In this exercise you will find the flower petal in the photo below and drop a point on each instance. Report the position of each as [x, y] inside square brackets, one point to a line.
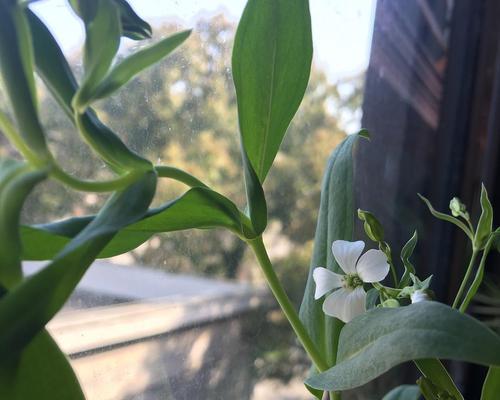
[345, 304]
[325, 280]
[356, 304]
[372, 266]
[347, 253]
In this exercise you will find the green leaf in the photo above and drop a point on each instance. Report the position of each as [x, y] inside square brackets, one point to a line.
[25, 375]
[318, 394]
[57, 75]
[435, 371]
[271, 63]
[491, 385]
[26, 308]
[103, 31]
[372, 226]
[16, 182]
[133, 26]
[485, 224]
[403, 392]
[446, 217]
[256, 200]
[406, 253]
[198, 208]
[132, 65]
[17, 74]
[380, 339]
[41, 372]
[428, 389]
[335, 221]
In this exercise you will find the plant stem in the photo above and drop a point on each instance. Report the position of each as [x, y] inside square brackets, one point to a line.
[477, 279]
[179, 175]
[466, 278]
[55, 170]
[110, 185]
[286, 305]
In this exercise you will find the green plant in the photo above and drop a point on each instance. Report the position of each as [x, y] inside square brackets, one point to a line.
[271, 63]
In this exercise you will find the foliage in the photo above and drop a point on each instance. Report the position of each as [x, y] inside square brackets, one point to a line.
[271, 63]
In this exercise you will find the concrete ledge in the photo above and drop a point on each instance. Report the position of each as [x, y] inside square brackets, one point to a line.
[137, 333]
[78, 331]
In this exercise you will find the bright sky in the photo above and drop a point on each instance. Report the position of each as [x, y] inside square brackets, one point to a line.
[341, 29]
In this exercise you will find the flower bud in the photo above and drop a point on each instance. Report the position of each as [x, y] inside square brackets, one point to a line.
[458, 208]
[420, 295]
[390, 303]
[372, 226]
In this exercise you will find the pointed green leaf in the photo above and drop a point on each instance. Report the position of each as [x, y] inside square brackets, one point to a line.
[446, 217]
[335, 221]
[318, 394]
[380, 339]
[271, 64]
[256, 200]
[403, 392]
[406, 253]
[56, 73]
[103, 31]
[435, 371]
[28, 306]
[26, 375]
[491, 386]
[42, 372]
[133, 26]
[17, 74]
[198, 208]
[485, 224]
[373, 228]
[16, 182]
[132, 65]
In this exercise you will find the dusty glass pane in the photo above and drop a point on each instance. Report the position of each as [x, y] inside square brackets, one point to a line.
[187, 313]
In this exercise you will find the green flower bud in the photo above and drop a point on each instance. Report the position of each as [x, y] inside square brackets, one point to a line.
[372, 226]
[458, 208]
[390, 303]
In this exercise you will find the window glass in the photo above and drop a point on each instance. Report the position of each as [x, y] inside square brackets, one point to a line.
[186, 313]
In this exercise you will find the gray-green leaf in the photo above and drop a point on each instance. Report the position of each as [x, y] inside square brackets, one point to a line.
[403, 392]
[335, 221]
[374, 342]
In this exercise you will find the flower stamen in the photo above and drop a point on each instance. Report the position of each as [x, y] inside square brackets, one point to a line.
[352, 281]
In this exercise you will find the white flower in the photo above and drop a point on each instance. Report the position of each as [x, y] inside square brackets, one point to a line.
[348, 300]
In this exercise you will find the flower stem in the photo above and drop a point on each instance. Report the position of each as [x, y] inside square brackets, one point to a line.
[286, 305]
[110, 185]
[478, 279]
[179, 175]
[466, 278]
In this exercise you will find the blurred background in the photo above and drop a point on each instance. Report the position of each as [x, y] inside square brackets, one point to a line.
[185, 314]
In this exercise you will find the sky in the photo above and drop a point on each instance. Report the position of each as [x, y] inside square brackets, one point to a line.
[342, 29]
